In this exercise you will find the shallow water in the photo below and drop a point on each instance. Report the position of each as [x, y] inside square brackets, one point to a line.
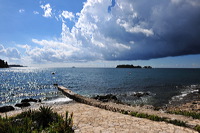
[162, 84]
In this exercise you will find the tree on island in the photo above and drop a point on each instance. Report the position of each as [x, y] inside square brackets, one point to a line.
[128, 66]
[3, 64]
[132, 66]
[147, 67]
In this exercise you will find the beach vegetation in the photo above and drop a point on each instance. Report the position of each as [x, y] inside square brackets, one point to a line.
[197, 128]
[194, 115]
[37, 121]
[125, 112]
[157, 118]
[177, 122]
[147, 116]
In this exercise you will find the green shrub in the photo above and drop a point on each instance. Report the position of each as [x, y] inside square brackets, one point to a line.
[150, 117]
[5, 126]
[62, 126]
[194, 115]
[197, 128]
[142, 115]
[176, 122]
[156, 118]
[125, 112]
[37, 121]
[46, 116]
[133, 113]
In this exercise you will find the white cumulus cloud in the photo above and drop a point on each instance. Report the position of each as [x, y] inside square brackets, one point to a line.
[47, 10]
[124, 30]
[12, 53]
[54, 51]
[68, 15]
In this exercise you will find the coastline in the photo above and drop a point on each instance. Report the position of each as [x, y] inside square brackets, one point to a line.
[89, 118]
[126, 87]
[92, 119]
[126, 109]
[190, 102]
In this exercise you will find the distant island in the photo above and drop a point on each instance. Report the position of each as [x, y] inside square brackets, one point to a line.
[132, 66]
[4, 64]
[16, 65]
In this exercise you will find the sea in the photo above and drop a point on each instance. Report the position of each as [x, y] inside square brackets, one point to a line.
[161, 85]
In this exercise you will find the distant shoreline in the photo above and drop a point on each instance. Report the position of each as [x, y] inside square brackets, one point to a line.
[16, 66]
[4, 64]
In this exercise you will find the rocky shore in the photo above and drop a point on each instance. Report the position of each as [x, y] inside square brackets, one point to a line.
[22, 104]
[190, 102]
[105, 114]
[123, 108]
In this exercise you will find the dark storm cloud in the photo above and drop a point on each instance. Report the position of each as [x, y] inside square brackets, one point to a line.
[175, 27]
[130, 30]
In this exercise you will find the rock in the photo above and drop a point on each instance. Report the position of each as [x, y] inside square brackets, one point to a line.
[55, 85]
[6, 109]
[149, 107]
[104, 100]
[23, 104]
[30, 100]
[141, 94]
[198, 90]
[107, 98]
[194, 102]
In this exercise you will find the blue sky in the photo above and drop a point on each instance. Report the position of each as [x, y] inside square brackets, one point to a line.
[100, 33]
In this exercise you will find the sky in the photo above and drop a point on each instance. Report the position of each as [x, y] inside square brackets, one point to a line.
[100, 33]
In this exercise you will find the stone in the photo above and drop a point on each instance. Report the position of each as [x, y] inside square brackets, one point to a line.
[55, 85]
[29, 100]
[138, 125]
[6, 109]
[194, 102]
[107, 98]
[141, 94]
[21, 105]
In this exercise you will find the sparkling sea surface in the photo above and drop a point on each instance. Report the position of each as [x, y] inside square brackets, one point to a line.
[162, 85]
